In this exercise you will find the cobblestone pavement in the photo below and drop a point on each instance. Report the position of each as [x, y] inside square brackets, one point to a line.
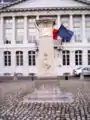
[78, 110]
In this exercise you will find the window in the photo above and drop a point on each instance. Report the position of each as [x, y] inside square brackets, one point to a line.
[8, 36]
[7, 22]
[20, 22]
[7, 58]
[19, 30]
[31, 35]
[19, 58]
[78, 57]
[19, 36]
[32, 32]
[77, 35]
[87, 28]
[66, 57]
[31, 22]
[77, 26]
[65, 21]
[7, 30]
[31, 58]
[88, 57]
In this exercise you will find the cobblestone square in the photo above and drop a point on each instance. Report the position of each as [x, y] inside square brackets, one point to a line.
[13, 107]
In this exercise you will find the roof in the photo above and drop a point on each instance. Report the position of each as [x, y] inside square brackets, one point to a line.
[84, 1]
[40, 4]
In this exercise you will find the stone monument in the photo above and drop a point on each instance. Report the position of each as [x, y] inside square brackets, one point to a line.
[45, 59]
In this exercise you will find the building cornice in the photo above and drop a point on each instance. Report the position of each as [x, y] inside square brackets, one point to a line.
[43, 9]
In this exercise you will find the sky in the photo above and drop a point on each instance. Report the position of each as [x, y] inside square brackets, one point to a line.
[6, 0]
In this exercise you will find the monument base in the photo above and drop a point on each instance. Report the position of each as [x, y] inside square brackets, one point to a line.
[47, 77]
[49, 94]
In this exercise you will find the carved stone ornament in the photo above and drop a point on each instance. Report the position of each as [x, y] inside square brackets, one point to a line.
[45, 21]
[46, 31]
[44, 26]
[46, 62]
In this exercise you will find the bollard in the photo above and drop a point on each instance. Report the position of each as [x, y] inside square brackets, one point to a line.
[32, 76]
[15, 76]
[66, 77]
[81, 76]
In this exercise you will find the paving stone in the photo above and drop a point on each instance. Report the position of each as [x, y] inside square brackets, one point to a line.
[17, 110]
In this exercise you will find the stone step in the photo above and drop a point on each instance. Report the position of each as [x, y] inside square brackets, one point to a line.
[49, 94]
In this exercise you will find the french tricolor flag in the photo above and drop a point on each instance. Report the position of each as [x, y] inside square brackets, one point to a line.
[55, 32]
[63, 33]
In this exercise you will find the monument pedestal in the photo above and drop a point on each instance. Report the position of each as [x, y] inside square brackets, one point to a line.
[45, 59]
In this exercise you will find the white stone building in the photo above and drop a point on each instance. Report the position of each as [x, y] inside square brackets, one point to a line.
[20, 38]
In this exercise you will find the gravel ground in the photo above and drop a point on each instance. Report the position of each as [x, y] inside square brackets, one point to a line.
[17, 110]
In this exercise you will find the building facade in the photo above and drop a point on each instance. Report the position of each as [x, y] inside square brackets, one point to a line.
[20, 37]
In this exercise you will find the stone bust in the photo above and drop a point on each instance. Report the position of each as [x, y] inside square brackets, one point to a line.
[45, 26]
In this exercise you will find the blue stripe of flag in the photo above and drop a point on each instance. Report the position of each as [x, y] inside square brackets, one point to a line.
[64, 33]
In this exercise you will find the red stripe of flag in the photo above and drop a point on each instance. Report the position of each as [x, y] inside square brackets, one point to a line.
[55, 32]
